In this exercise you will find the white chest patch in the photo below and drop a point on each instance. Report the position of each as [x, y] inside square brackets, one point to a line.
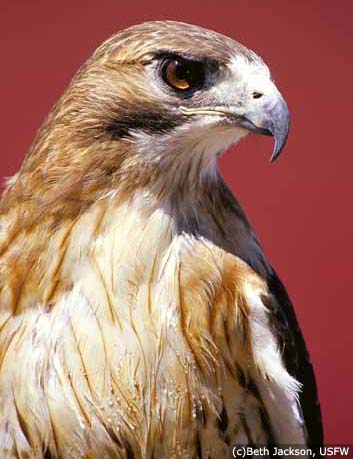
[145, 348]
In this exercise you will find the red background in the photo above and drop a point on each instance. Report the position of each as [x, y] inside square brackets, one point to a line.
[300, 207]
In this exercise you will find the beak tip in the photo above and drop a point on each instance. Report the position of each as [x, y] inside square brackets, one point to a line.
[276, 153]
[281, 137]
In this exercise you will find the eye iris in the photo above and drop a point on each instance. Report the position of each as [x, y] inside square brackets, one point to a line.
[183, 75]
[177, 75]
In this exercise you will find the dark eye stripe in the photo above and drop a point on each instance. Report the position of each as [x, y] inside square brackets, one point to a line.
[152, 120]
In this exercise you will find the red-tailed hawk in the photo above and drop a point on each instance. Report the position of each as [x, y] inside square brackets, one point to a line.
[139, 317]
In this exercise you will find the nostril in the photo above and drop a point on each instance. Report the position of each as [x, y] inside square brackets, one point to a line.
[257, 95]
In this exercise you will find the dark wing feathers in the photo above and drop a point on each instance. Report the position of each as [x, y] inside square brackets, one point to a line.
[296, 358]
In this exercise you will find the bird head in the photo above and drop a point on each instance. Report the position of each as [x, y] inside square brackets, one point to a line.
[183, 81]
[157, 99]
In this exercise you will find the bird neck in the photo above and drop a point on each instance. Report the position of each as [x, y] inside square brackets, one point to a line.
[48, 230]
[68, 186]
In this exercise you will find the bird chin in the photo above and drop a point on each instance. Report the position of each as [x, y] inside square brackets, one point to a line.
[212, 137]
[224, 137]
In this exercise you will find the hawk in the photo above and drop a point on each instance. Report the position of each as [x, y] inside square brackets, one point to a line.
[139, 317]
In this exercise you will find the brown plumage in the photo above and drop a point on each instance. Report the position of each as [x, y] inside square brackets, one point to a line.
[139, 317]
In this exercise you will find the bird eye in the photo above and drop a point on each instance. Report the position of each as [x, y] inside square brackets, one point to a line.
[183, 75]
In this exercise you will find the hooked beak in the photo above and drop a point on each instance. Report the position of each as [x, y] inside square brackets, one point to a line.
[266, 115]
[269, 116]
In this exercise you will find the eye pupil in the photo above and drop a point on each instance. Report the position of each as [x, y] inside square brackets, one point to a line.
[181, 71]
[182, 74]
